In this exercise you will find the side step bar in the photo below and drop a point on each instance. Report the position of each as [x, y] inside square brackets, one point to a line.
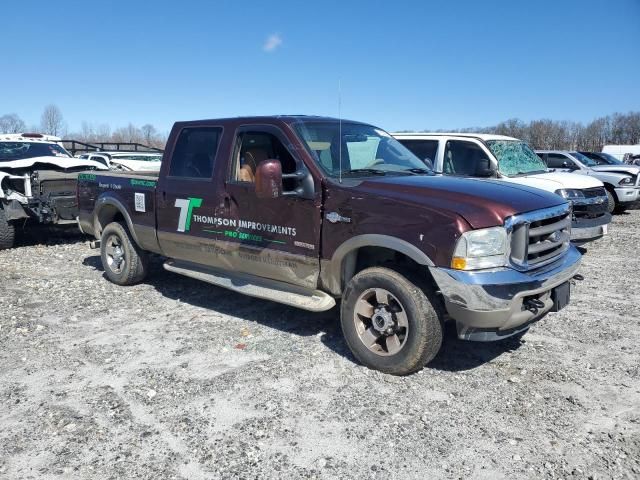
[311, 300]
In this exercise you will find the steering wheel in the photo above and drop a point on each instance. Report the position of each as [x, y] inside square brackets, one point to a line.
[377, 161]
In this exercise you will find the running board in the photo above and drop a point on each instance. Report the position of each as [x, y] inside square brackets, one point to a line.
[311, 300]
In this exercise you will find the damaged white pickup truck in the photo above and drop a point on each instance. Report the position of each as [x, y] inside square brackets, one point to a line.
[37, 182]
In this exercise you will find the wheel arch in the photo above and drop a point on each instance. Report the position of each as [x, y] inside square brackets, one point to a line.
[348, 259]
[109, 209]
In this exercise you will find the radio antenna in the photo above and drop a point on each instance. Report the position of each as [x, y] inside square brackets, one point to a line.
[340, 129]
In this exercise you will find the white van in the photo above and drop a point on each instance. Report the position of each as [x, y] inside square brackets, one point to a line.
[619, 151]
[512, 160]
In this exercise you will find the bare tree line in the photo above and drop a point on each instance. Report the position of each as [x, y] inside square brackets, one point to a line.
[52, 123]
[615, 129]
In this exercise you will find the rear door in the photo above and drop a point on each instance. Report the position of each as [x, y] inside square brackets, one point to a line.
[188, 198]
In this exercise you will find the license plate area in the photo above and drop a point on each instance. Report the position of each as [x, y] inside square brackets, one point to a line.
[561, 296]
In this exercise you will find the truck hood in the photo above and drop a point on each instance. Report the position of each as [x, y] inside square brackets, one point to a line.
[62, 163]
[482, 203]
[628, 169]
[552, 181]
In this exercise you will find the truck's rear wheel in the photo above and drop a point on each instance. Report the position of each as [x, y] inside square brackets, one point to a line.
[389, 322]
[123, 261]
[7, 231]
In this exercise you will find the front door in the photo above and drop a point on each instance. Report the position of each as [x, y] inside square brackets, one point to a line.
[275, 238]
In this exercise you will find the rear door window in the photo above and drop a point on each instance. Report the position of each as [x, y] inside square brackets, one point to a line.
[423, 149]
[195, 152]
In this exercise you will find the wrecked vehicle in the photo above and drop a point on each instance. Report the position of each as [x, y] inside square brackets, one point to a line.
[37, 182]
[313, 212]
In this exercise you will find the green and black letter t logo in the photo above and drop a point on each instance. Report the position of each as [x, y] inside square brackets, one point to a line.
[186, 207]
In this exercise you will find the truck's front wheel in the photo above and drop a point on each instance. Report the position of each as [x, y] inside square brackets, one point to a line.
[7, 231]
[389, 322]
[123, 261]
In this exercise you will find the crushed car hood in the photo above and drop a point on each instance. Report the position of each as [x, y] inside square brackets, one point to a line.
[63, 163]
[630, 169]
[552, 181]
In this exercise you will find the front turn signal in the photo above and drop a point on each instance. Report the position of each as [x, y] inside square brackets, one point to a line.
[458, 263]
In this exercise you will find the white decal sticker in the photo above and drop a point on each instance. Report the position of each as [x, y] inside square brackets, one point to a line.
[139, 202]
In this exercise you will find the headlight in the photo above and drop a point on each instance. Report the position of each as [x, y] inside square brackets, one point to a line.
[570, 193]
[478, 249]
[626, 181]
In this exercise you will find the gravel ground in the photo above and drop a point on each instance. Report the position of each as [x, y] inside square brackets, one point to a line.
[179, 379]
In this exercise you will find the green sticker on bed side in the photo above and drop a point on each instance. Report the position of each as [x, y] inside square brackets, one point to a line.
[142, 183]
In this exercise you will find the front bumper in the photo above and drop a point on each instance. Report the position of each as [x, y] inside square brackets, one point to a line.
[490, 305]
[587, 229]
[627, 194]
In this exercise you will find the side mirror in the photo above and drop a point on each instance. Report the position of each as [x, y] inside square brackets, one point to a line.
[269, 179]
[428, 162]
[485, 169]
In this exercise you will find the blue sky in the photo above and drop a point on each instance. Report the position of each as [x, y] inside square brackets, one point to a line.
[401, 65]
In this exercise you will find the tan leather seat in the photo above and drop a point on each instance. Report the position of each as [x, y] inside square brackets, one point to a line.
[247, 172]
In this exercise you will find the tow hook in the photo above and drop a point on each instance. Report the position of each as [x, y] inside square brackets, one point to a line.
[534, 305]
[578, 277]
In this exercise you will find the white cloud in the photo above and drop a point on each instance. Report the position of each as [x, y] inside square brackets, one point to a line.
[272, 43]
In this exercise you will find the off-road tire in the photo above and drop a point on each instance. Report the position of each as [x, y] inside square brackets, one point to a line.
[424, 312]
[135, 261]
[7, 231]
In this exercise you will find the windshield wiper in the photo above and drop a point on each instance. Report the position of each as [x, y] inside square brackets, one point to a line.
[419, 171]
[372, 171]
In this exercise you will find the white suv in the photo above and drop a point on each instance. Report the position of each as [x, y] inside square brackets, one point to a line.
[511, 160]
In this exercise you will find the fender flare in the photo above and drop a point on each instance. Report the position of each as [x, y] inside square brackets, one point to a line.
[106, 200]
[333, 270]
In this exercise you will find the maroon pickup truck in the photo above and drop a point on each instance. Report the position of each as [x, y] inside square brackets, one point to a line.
[311, 211]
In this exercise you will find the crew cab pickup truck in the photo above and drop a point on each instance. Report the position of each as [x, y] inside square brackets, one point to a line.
[511, 160]
[309, 211]
[37, 183]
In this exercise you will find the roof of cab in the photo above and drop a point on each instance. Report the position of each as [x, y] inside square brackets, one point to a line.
[263, 118]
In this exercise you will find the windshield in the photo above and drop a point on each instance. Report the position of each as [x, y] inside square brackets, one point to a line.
[610, 159]
[361, 150]
[10, 151]
[584, 159]
[516, 158]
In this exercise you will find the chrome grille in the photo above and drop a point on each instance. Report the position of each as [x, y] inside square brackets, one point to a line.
[539, 237]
